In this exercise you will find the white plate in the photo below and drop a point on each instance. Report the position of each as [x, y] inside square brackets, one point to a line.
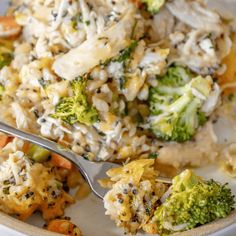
[89, 213]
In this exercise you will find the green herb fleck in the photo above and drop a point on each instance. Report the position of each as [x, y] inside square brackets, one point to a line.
[139, 118]
[6, 182]
[43, 83]
[126, 53]
[101, 133]
[5, 59]
[231, 97]
[75, 20]
[122, 81]
[6, 190]
[87, 22]
[153, 155]
[123, 56]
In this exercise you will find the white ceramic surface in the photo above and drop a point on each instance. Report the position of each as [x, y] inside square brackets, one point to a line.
[89, 213]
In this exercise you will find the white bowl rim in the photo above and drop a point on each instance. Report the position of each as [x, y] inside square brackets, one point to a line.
[31, 230]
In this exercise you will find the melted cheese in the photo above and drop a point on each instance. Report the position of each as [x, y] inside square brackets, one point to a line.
[27, 186]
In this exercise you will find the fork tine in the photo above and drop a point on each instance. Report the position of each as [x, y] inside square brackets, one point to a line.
[102, 168]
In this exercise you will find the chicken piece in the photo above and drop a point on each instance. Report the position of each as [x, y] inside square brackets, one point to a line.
[96, 50]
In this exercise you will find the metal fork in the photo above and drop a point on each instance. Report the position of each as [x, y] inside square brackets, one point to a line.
[92, 171]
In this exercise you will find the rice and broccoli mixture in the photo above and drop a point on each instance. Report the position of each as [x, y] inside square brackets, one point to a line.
[149, 81]
[112, 81]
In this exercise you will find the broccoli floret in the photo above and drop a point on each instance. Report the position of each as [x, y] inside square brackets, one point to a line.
[153, 6]
[193, 202]
[176, 104]
[76, 108]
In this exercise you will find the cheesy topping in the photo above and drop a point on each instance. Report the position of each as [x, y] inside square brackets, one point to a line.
[134, 194]
[26, 186]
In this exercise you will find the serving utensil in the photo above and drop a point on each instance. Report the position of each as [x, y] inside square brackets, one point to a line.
[91, 171]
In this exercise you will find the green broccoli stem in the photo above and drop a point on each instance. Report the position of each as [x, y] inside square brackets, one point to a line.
[181, 103]
[38, 154]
